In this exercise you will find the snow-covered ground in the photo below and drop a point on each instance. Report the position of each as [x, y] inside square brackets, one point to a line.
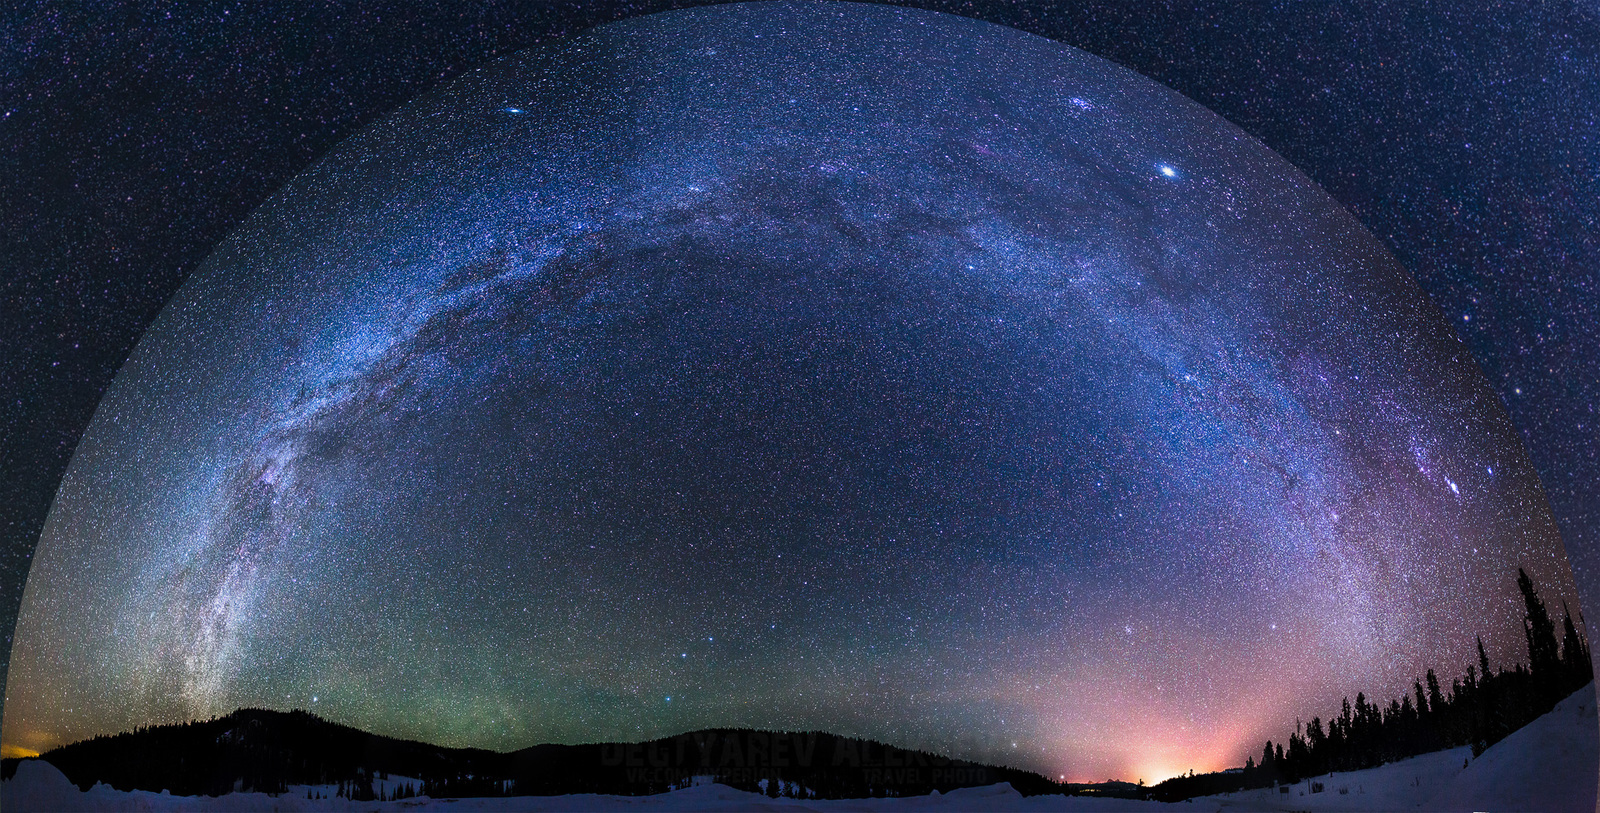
[1546, 766]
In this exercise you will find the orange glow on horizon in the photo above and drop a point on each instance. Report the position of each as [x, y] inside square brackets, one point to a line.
[8, 751]
[1151, 773]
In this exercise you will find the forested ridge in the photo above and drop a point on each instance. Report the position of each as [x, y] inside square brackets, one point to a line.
[1478, 708]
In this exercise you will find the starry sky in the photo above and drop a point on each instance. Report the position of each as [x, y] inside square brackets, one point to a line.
[952, 388]
[1409, 121]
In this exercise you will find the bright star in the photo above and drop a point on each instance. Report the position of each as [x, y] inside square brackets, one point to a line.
[1167, 170]
[513, 110]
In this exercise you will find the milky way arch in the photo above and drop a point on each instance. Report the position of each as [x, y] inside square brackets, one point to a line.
[794, 366]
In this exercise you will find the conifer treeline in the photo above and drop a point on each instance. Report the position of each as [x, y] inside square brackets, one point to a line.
[1478, 709]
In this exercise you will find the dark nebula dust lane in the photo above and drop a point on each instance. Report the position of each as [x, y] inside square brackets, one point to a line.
[956, 388]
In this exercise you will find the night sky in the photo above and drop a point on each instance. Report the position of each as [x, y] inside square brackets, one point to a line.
[369, 335]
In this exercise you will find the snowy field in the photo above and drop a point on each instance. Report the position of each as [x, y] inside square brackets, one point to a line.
[1531, 770]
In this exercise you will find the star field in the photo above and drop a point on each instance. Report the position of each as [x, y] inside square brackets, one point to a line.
[753, 380]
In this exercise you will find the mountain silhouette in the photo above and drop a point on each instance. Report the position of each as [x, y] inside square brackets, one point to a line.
[268, 751]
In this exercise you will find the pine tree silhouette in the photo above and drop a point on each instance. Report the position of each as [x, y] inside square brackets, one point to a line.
[1574, 652]
[1544, 660]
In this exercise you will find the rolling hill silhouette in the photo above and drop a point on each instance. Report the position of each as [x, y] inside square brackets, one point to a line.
[268, 751]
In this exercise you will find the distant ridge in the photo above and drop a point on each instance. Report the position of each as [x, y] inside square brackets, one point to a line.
[268, 751]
